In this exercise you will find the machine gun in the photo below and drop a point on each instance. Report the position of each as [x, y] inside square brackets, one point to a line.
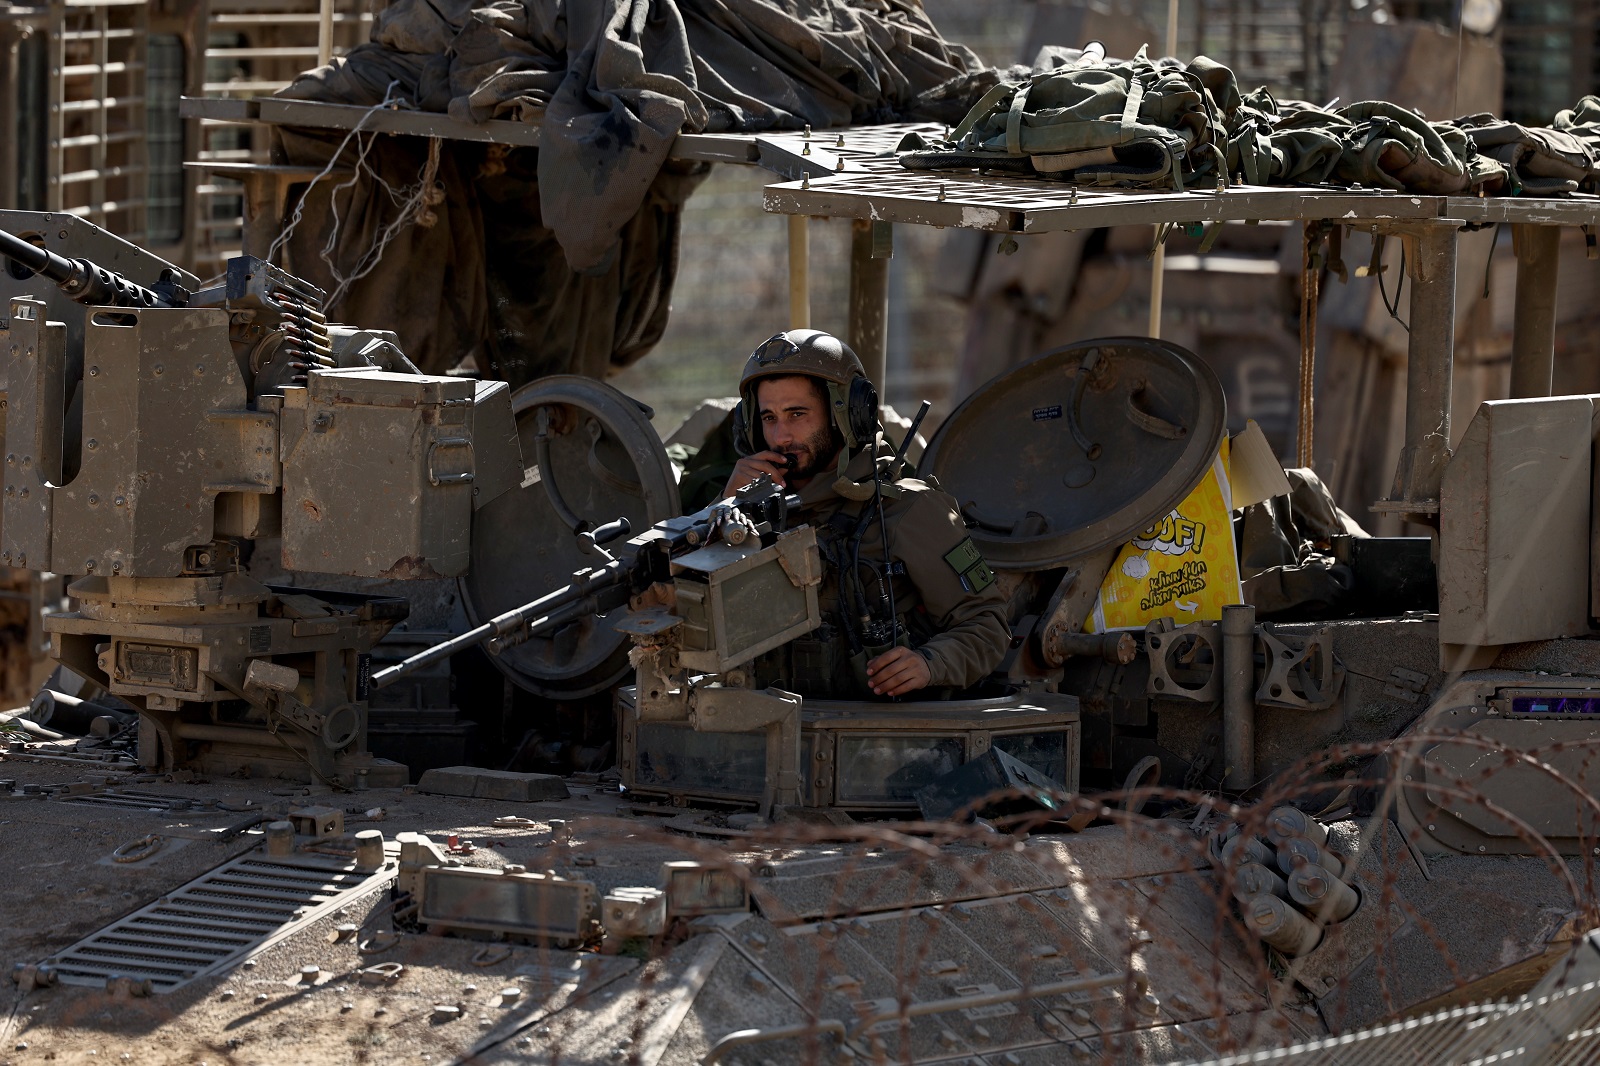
[743, 581]
[85, 281]
[157, 436]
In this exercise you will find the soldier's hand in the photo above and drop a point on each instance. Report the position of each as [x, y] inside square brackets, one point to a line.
[751, 467]
[897, 672]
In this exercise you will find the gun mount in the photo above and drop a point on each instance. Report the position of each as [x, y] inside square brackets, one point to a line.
[83, 280]
[742, 581]
[147, 451]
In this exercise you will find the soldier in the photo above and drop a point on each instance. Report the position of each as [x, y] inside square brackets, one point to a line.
[923, 613]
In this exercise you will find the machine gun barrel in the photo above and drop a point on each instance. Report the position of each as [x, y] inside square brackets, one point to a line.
[79, 278]
[759, 506]
[586, 595]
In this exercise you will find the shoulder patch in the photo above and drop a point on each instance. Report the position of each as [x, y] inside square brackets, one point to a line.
[968, 563]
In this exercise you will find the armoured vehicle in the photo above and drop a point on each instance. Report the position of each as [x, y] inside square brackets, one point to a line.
[1165, 844]
[169, 427]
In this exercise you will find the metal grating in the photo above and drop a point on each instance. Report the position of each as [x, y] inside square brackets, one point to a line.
[132, 799]
[97, 123]
[963, 199]
[214, 921]
[254, 48]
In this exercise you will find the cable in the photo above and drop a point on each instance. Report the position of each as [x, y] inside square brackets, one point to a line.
[1394, 311]
[415, 204]
[298, 214]
[888, 563]
[854, 578]
[1488, 263]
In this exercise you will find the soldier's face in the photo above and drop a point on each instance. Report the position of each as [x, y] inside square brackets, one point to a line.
[794, 419]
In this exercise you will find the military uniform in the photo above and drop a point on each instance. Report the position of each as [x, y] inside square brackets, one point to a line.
[945, 595]
[941, 594]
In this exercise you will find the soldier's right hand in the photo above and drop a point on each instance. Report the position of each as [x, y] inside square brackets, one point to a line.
[753, 466]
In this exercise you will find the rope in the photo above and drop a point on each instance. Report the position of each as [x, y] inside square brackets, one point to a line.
[415, 203]
[389, 99]
[412, 203]
[138, 850]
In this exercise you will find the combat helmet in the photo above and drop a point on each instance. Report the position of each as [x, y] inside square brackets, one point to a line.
[852, 400]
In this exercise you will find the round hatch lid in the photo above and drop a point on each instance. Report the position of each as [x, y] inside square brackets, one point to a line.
[1079, 449]
[605, 461]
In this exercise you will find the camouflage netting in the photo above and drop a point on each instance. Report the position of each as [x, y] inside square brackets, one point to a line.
[1165, 124]
[610, 85]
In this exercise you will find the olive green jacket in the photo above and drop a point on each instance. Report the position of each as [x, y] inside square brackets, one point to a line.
[956, 617]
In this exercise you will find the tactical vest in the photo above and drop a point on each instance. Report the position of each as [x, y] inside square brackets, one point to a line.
[830, 662]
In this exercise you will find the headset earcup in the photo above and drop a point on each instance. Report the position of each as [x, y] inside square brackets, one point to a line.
[863, 411]
[743, 438]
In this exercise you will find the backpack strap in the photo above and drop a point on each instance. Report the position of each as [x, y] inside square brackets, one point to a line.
[1014, 119]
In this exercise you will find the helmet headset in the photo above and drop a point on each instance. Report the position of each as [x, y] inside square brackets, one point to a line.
[852, 399]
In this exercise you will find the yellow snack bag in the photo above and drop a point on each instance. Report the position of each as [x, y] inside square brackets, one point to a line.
[1183, 567]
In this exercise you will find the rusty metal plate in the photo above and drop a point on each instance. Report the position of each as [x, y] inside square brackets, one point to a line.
[1079, 449]
[606, 462]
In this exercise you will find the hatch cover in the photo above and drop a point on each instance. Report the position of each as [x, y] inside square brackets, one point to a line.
[214, 921]
[1079, 449]
[603, 460]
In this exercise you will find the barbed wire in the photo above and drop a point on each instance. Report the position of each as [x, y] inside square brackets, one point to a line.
[1006, 939]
